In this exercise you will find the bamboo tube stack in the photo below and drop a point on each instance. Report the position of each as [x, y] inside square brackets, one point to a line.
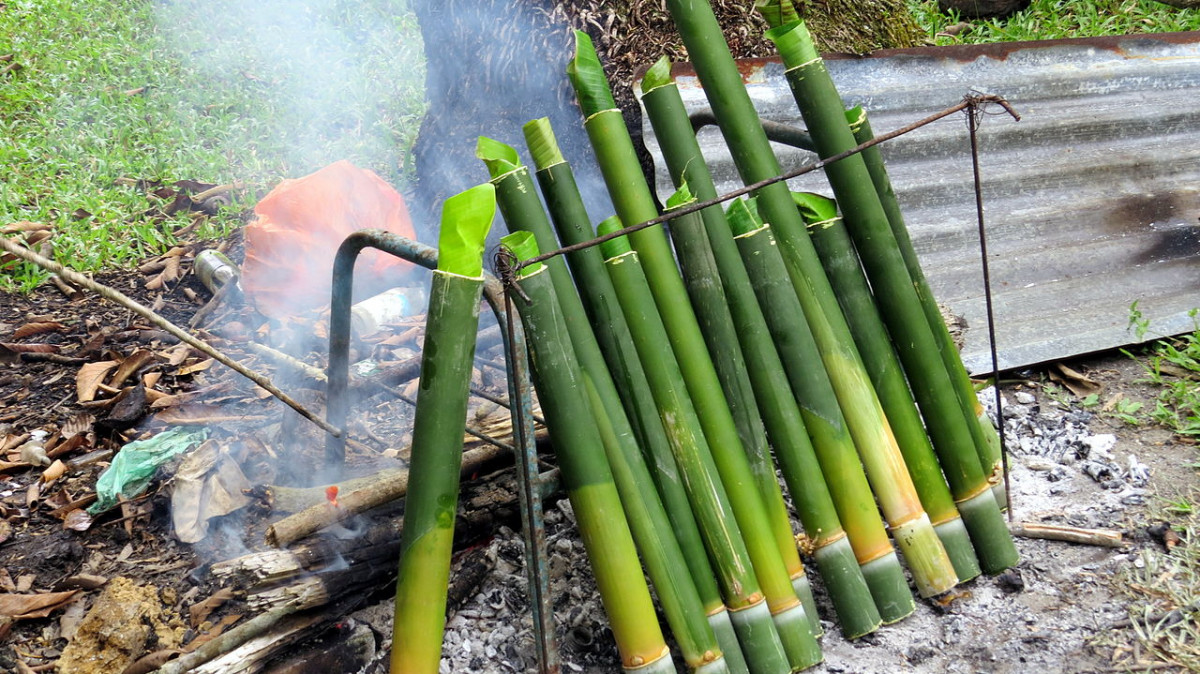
[784, 332]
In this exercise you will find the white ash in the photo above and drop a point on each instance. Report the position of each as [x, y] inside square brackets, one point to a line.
[492, 631]
[1061, 603]
[1059, 442]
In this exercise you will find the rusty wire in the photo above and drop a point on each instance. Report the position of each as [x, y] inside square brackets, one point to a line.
[973, 103]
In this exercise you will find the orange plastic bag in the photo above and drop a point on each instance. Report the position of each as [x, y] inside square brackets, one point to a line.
[291, 245]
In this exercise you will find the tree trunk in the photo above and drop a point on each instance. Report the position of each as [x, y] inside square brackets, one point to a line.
[861, 26]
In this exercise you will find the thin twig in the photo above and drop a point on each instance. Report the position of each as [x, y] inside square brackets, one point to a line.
[112, 295]
[1106, 538]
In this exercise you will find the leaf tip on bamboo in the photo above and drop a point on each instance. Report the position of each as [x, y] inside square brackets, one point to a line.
[500, 158]
[587, 76]
[614, 247]
[466, 220]
[659, 75]
[523, 246]
[543, 146]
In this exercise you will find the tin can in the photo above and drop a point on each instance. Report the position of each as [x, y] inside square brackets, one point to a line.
[214, 269]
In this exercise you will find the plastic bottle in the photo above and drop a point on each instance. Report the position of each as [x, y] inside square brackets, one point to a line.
[371, 314]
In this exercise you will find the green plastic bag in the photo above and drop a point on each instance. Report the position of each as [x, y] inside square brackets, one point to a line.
[134, 466]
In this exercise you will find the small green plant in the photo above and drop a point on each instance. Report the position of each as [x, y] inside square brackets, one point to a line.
[1173, 365]
[1139, 323]
[1127, 410]
[1180, 506]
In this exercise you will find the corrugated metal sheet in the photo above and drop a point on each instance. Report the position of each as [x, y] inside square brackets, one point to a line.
[1092, 200]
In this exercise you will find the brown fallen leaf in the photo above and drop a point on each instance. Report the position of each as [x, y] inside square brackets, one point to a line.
[136, 361]
[30, 329]
[200, 611]
[176, 354]
[90, 376]
[24, 226]
[169, 274]
[194, 368]
[199, 413]
[82, 581]
[213, 633]
[27, 606]
[128, 407]
[153, 265]
[1075, 382]
[11, 351]
[67, 446]
[78, 424]
[12, 465]
[33, 494]
[55, 471]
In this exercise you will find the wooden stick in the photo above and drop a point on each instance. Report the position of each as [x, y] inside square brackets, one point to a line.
[314, 518]
[1107, 538]
[65, 288]
[295, 499]
[230, 640]
[112, 295]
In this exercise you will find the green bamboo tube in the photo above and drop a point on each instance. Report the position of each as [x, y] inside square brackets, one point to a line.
[785, 420]
[570, 218]
[631, 197]
[987, 441]
[562, 390]
[711, 501]
[896, 296]
[858, 305]
[814, 389]
[522, 211]
[704, 287]
[743, 132]
[426, 542]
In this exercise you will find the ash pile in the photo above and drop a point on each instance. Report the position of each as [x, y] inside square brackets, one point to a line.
[1053, 452]
[491, 630]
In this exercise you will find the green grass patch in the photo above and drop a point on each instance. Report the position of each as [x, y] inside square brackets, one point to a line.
[114, 92]
[1173, 365]
[1054, 19]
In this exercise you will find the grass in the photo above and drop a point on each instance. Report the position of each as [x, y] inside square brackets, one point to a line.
[1164, 590]
[113, 92]
[1172, 365]
[1053, 19]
